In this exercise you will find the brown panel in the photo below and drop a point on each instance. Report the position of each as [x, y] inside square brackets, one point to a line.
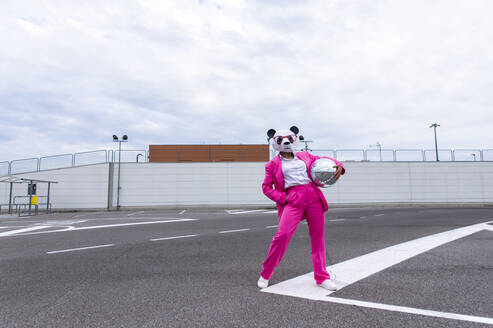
[208, 153]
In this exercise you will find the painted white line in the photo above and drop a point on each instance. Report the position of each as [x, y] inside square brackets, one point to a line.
[272, 226]
[238, 230]
[176, 237]
[182, 212]
[111, 226]
[135, 213]
[14, 232]
[337, 220]
[271, 212]
[79, 249]
[353, 270]
[379, 214]
[245, 212]
[406, 309]
[232, 211]
[362, 217]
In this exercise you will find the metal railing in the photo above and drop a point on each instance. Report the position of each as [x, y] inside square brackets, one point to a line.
[28, 165]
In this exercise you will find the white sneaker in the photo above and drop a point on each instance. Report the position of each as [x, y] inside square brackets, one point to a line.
[262, 283]
[328, 284]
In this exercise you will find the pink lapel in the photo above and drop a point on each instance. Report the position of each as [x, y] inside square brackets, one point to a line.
[279, 175]
[307, 160]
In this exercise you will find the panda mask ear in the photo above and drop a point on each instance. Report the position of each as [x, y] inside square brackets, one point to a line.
[294, 129]
[271, 133]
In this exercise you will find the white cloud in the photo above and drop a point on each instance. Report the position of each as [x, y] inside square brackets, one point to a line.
[348, 73]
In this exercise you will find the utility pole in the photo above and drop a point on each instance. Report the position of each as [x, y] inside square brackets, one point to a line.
[434, 126]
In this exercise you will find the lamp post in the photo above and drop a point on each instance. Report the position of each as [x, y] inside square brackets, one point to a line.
[115, 139]
[434, 126]
[379, 146]
[302, 139]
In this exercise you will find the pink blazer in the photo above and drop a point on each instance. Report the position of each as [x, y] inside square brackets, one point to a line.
[274, 176]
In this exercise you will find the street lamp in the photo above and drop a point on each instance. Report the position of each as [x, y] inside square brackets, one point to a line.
[302, 139]
[115, 139]
[434, 126]
[379, 146]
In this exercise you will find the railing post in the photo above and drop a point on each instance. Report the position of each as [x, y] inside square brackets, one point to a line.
[481, 155]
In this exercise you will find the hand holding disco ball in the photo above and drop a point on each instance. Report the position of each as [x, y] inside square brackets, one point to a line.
[324, 172]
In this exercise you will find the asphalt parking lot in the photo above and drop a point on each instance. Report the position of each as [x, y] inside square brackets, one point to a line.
[397, 267]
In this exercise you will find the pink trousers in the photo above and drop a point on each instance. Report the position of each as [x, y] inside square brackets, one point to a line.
[303, 202]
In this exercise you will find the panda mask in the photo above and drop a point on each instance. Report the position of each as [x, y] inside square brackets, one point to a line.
[284, 140]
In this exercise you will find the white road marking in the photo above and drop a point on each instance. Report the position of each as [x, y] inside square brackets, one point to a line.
[406, 309]
[135, 213]
[336, 220]
[176, 237]
[112, 226]
[238, 230]
[79, 249]
[353, 270]
[244, 212]
[271, 212]
[18, 231]
[182, 212]
[379, 214]
[272, 226]
[362, 217]
[232, 211]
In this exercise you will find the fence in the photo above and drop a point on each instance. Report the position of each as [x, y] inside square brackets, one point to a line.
[27, 165]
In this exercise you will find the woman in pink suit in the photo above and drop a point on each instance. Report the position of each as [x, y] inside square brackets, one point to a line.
[297, 198]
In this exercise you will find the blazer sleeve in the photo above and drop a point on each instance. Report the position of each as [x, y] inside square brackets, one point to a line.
[277, 196]
[315, 157]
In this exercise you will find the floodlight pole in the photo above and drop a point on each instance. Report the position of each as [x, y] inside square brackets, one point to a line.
[115, 139]
[379, 145]
[434, 126]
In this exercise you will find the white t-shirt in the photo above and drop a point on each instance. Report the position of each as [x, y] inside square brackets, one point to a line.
[294, 171]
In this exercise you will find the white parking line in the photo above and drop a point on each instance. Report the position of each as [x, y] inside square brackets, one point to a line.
[272, 226]
[379, 214]
[238, 230]
[109, 226]
[336, 220]
[362, 217]
[271, 212]
[176, 237]
[14, 232]
[182, 212]
[244, 212]
[79, 249]
[406, 309]
[353, 270]
[135, 213]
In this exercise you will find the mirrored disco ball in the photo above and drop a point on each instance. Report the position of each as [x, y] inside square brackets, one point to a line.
[322, 172]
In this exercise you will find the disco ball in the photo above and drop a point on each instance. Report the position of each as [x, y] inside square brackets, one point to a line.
[322, 172]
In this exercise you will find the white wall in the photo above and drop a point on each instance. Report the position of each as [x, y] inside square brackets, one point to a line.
[237, 184]
[78, 187]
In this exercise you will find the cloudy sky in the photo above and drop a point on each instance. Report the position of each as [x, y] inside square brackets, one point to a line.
[348, 73]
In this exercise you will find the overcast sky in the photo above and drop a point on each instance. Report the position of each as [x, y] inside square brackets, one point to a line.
[347, 73]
